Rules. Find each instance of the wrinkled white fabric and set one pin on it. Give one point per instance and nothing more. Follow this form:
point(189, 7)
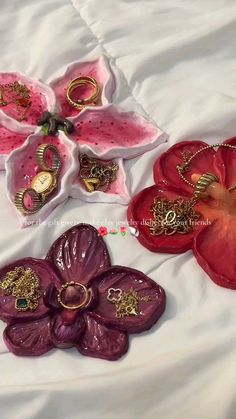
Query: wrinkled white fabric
point(174, 61)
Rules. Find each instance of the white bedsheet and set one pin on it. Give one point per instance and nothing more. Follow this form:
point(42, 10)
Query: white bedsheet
point(175, 61)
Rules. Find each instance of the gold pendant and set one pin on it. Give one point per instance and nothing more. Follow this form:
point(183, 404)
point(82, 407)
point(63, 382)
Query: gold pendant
point(24, 285)
point(126, 303)
point(97, 175)
point(91, 184)
point(170, 217)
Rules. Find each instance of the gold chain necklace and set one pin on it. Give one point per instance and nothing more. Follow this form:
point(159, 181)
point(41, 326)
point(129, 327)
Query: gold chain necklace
point(18, 94)
point(97, 175)
point(184, 167)
point(24, 285)
point(179, 216)
point(171, 217)
point(126, 303)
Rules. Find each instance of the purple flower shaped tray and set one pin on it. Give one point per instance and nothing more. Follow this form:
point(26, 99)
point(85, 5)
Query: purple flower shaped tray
point(83, 301)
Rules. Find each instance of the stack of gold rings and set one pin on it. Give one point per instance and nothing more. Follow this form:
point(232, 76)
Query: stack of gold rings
point(81, 81)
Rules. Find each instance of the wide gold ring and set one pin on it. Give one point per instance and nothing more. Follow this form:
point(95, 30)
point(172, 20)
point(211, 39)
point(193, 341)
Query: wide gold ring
point(41, 160)
point(69, 284)
point(79, 81)
point(203, 182)
point(20, 204)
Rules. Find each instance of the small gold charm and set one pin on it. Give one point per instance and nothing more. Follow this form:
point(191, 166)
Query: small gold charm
point(24, 285)
point(126, 303)
point(91, 184)
point(97, 175)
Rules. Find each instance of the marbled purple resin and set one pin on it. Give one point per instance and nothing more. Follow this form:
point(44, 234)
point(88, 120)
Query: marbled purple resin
point(79, 255)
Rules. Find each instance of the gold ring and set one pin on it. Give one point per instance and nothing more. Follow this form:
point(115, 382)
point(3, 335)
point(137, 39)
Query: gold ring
point(20, 204)
point(68, 284)
point(203, 182)
point(40, 156)
point(79, 81)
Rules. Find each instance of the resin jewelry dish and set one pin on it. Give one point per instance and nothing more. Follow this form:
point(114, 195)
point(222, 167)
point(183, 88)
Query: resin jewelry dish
point(95, 313)
point(192, 206)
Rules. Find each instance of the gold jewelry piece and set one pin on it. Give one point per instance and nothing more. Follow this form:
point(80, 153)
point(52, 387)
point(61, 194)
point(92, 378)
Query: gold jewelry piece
point(18, 94)
point(203, 182)
point(43, 184)
point(23, 284)
point(97, 175)
point(179, 216)
point(126, 303)
point(21, 196)
point(73, 284)
point(81, 81)
point(172, 217)
point(41, 157)
point(188, 157)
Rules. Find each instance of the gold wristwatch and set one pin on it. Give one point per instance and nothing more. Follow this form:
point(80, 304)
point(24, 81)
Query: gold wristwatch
point(30, 200)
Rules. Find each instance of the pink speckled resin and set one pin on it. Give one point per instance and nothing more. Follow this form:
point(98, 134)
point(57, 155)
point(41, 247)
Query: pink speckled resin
point(109, 132)
point(98, 69)
point(102, 131)
point(79, 254)
point(10, 140)
point(21, 167)
point(42, 98)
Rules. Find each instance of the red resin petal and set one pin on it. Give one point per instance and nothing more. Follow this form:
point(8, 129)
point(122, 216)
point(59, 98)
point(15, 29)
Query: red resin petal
point(127, 279)
point(102, 342)
point(111, 133)
point(66, 335)
point(164, 170)
point(41, 99)
point(139, 215)
point(79, 254)
point(98, 69)
point(29, 338)
point(215, 249)
point(46, 274)
point(227, 157)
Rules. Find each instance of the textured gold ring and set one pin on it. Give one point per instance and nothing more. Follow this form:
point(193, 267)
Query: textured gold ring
point(79, 81)
point(203, 182)
point(20, 201)
point(41, 159)
point(71, 284)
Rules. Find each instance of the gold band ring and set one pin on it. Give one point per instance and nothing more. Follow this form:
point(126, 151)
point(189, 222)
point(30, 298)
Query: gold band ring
point(41, 159)
point(20, 198)
point(203, 182)
point(73, 284)
point(80, 81)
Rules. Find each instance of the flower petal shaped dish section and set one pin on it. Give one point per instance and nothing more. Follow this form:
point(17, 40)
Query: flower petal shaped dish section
point(95, 127)
point(109, 132)
point(23, 99)
point(82, 301)
point(10, 139)
point(117, 191)
point(216, 230)
point(22, 167)
point(98, 69)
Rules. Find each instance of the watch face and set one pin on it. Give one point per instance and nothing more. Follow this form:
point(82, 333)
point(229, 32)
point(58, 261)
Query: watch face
point(42, 182)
